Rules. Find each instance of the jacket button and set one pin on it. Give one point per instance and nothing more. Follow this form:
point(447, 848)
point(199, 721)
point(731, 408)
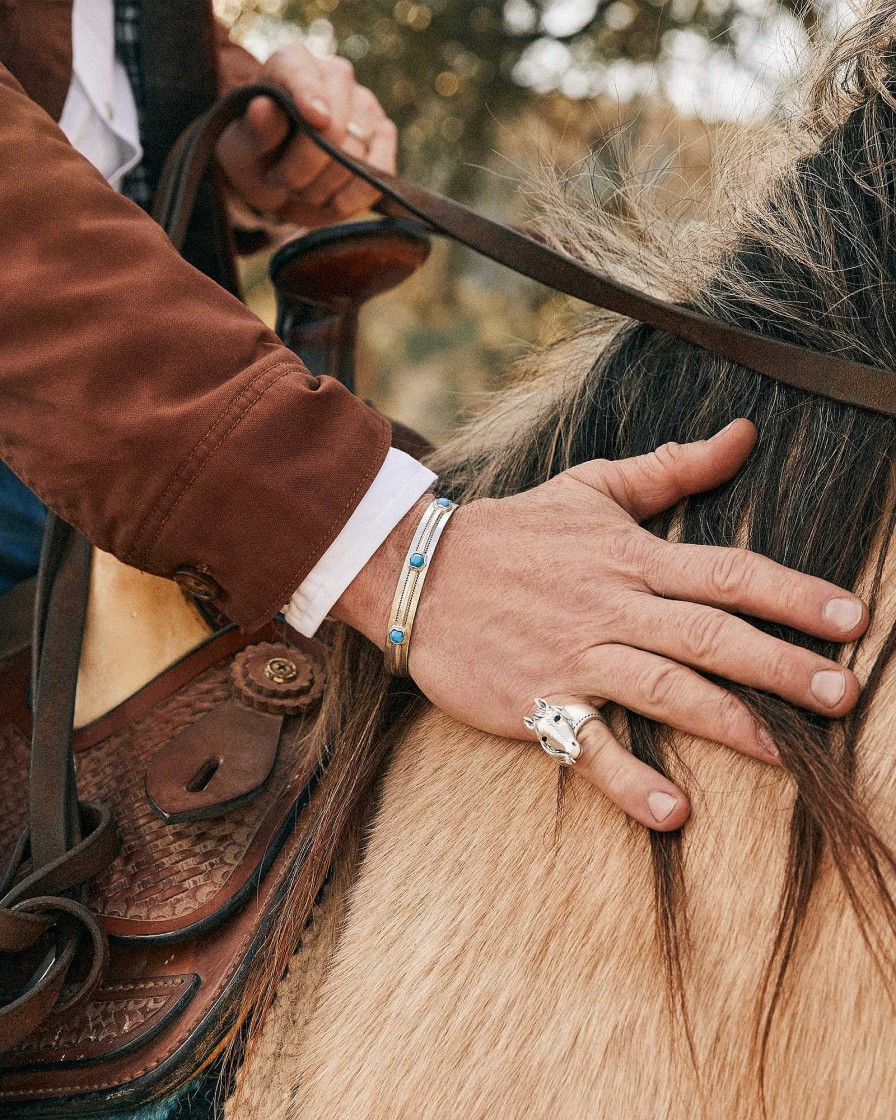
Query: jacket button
point(197, 584)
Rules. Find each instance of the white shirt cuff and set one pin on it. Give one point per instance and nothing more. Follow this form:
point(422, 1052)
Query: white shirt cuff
point(400, 482)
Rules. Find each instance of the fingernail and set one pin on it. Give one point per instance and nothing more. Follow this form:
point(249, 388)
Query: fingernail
point(768, 742)
point(845, 614)
point(722, 431)
point(828, 686)
point(661, 805)
point(321, 106)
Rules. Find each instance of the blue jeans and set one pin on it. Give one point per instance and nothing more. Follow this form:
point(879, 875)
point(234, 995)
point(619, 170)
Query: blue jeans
point(22, 517)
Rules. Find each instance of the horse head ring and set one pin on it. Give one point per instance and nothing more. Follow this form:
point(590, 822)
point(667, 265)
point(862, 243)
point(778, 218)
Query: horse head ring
point(557, 727)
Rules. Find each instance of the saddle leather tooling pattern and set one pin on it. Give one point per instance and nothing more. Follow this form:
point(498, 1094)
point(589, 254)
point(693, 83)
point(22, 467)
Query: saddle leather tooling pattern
point(179, 893)
point(169, 883)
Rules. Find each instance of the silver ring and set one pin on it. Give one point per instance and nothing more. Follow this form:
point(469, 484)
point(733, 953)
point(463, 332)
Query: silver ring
point(557, 727)
point(359, 133)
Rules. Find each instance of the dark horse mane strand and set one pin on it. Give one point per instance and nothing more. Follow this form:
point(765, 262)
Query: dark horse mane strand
point(814, 262)
point(815, 265)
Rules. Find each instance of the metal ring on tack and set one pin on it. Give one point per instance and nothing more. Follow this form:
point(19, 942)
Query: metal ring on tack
point(557, 727)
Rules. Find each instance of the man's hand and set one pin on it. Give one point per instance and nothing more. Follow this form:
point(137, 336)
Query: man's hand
point(559, 593)
point(304, 185)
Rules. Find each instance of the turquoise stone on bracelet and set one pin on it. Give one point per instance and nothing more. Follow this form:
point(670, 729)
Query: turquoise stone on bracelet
point(417, 560)
point(445, 503)
point(396, 635)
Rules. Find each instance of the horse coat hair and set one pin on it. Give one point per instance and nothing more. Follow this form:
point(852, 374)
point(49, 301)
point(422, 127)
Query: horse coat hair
point(493, 965)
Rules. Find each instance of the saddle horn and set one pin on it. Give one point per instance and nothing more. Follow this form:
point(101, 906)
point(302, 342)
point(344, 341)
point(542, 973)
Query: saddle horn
point(324, 278)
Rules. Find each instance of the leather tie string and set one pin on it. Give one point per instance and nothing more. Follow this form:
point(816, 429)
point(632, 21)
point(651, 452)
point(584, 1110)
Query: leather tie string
point(43, 921)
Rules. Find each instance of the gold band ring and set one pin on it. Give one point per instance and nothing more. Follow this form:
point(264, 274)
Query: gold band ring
point(359, 133)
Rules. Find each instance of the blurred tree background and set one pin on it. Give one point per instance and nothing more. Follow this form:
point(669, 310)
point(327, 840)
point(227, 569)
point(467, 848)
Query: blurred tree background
point(484, 91)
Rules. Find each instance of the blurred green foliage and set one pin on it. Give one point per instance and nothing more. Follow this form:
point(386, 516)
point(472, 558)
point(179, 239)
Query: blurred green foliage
point(450, 71)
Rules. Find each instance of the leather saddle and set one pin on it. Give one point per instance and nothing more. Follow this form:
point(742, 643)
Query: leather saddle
point(209, 776)
point(147, 853)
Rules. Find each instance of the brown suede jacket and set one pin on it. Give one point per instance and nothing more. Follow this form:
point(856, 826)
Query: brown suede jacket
point(138, 399)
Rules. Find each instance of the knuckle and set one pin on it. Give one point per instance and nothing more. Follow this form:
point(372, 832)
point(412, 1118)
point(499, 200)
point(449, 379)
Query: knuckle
point(343, 67)
point(603, 760)
point(272, 66)
point(591, 467)
point(729, 574)
point(790, 591)
point(734, 719)
point(614, 777)
point(299, 181)
point(366, 99)
point(660, 685)
point(596, 474)
point(666, 457)
point(288, 51)
point(781, 666)
point(346, 203)
point(704, 634)
point(596, 747)
point(635, 550)
point(624, 486)
point(312, 165)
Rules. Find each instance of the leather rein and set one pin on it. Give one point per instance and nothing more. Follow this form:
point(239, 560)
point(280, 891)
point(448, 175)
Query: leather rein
point(826, 375)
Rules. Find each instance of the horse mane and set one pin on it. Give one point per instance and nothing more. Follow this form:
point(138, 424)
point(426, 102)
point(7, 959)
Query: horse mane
point(804, 249)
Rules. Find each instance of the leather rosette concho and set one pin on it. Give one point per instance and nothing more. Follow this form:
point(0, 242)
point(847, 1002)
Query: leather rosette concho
point(229, 753)
point(274, 678)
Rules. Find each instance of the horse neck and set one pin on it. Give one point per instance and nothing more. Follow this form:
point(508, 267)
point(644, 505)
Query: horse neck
point(137, 625)
point(503, 963)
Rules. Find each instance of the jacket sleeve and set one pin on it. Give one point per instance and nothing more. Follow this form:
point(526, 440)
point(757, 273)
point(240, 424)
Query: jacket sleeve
point(148, 407)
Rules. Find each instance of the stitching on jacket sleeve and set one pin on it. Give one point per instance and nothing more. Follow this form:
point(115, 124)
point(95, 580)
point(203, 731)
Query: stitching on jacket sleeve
point(199, 455)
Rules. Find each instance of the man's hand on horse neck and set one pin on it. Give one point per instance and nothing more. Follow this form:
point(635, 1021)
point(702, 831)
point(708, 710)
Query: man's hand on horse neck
point(559, 593)
point(303, 185)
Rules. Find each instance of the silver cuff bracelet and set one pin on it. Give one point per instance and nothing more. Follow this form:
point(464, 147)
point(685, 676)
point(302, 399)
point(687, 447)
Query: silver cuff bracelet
point(410, 584)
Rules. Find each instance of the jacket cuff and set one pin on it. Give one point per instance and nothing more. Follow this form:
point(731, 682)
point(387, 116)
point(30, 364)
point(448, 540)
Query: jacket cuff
point(400, 482)
point(265, 493)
